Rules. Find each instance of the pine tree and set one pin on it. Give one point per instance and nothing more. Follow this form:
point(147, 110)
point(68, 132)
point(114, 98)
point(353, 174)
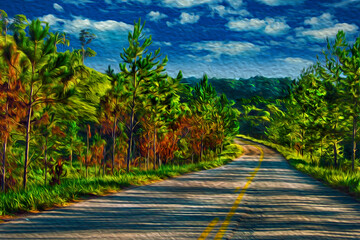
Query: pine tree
point(138, 68)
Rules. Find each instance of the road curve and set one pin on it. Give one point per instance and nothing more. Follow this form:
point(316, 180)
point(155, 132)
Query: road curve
point(257, 196)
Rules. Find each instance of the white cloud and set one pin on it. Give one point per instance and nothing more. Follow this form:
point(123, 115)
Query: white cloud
point(208, 58)
point(51, 19)
point(187, 3)
point(162, 44)
point(275, 27)
point(324, 20)
point(224, 11)
point(324, 26)
point(343, 3)
point(297, 60)
point(269, 26)
point(330, 32)
point(170, 24)
point(75, 25)
point(235, 3)
point(188, 18)
point(77, 2)
point(281, 2)
point(246, 24)
point(218, 48)
point(58, 8)
point(110, 25)
point(185, 18)
point(156, 16)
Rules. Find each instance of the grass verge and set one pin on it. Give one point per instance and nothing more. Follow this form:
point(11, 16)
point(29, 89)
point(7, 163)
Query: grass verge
point(346, 181)
point(41, 198)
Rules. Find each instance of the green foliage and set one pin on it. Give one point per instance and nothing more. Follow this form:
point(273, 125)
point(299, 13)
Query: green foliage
point(320, 116)
point(85, 38)
point(44, 197)
point(258, 86)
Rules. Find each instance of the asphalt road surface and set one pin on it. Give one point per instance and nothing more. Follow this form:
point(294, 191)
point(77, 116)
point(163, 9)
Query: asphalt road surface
point(257, 196)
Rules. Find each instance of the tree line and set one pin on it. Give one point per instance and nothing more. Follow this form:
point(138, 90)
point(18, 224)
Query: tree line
point(320, 115)
point(60, 118)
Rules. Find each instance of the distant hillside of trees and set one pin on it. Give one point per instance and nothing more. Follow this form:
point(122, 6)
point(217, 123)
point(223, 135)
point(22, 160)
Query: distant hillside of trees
point(241, 88)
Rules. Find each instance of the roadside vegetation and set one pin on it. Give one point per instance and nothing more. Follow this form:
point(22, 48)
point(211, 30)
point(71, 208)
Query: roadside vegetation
point(67, 130)
point(346, 181)
point(316, 125)
point(74, 188)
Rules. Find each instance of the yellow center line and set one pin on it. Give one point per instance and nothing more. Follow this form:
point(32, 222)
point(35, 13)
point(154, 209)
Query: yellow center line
point(237, 189)
point(209, 228)
point(231, 213)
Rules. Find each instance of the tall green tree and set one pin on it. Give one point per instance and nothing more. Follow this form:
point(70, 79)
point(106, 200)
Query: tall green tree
point(19, 23)
point(342, 60)
point(86, 37)
point(138, 68)
point(72, 139)
point(47, 78)
point(202, 103)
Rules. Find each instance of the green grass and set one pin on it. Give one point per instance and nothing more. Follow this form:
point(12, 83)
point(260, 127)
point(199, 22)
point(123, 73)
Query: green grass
point(40, 197)
point(346, 181)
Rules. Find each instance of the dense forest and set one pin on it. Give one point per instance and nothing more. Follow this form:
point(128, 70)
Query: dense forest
point(250, 96)
point(258, 86)
point(61, 119)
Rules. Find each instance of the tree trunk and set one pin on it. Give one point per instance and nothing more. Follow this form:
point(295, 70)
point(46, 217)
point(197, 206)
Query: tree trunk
point(321, 147)
point(3, 165)
point(147, 159)
point(354, 143)
point(5, 36)
point(302, 141)
point(128, 157)
point(335, 155)
point(80, 161)
point(192, 158)
point(131, 120)
point(3, 182)
point(154, 147)
point(201, 147)
point(83, 54)
point(96, 167)
point(45, 160)
point(159, 161)
point(113, 147)
point(87, 152)
point(27, 138)
point(71, 158)
point(104, 160)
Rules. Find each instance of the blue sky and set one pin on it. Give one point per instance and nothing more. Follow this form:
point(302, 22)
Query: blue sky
point(222, 38)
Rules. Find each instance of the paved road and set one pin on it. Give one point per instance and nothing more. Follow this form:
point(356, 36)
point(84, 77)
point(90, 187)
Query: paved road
point(241, 200)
